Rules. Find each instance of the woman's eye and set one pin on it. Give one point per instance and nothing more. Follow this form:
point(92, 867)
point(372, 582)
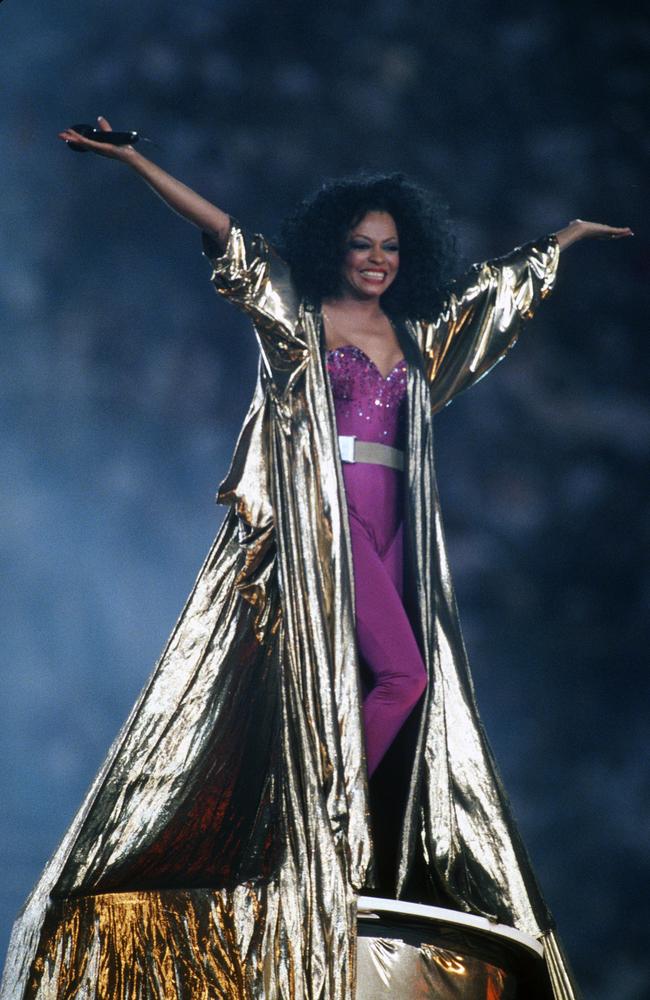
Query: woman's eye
point(392, 247)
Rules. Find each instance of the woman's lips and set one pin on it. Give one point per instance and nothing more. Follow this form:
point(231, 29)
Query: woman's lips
point(375, 276)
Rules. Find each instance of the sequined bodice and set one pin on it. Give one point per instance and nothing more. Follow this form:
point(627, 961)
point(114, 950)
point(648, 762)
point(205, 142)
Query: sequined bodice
point(367, 404)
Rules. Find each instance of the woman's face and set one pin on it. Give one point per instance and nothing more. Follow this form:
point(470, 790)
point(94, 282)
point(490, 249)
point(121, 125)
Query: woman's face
point(371, 259)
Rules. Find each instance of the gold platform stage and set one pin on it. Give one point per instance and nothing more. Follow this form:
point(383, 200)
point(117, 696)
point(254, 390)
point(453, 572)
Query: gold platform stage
point(408, 951)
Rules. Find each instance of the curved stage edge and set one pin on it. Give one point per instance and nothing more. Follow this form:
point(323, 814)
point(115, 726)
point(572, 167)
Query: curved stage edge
point(408, 950)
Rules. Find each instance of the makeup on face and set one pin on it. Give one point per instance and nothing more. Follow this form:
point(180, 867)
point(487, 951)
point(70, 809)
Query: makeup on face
point(371, 258)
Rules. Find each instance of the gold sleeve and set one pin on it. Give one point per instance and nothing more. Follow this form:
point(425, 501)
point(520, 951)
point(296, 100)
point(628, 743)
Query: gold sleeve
point(251, 275)
point(483, 314)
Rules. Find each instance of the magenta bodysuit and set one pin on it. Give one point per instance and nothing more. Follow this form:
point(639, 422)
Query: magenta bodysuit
point(374, 409)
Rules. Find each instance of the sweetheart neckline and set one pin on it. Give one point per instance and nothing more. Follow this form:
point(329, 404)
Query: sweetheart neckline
point(355, 347)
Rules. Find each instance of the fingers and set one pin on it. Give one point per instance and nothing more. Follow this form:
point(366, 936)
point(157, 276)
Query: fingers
point(616, 232)
point(603, 231)
point(69, 135)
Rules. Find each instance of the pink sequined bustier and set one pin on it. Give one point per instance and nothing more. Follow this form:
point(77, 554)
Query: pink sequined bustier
point(366, 404)
point(372, 408)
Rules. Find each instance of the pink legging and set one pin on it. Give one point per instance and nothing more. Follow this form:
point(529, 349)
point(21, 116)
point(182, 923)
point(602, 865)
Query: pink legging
point(385, 639)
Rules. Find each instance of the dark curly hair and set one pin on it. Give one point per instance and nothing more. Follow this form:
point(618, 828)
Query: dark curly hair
point(312, 240)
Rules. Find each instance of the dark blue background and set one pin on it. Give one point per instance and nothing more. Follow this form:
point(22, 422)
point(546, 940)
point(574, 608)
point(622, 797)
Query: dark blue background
point(125, 382)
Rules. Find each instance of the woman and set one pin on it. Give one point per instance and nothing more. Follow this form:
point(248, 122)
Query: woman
point(222, 847)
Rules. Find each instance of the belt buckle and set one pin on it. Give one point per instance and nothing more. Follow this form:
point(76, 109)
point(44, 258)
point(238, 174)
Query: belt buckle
point(346, 447)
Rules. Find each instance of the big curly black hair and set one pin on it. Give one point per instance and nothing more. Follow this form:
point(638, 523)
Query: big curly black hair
point(312, 240)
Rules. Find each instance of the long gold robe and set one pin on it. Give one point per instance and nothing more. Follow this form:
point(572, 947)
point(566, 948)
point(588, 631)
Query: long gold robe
point(256, 699)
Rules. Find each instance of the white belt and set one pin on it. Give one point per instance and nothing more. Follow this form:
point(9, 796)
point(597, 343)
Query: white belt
point(353, 450)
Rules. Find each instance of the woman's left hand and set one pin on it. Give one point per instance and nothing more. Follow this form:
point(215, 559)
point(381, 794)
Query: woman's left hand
point(579, 229)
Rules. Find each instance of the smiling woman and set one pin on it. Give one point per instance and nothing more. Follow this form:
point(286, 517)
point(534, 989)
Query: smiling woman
point(315, 692)
point(371, 257)
point(315, 236)
point(370, 266)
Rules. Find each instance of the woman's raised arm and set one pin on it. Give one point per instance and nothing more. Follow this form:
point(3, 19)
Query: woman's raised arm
point(484, 312)
point(180, 198)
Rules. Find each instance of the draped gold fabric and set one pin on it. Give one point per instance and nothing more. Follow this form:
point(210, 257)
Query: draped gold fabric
point(241, 768)
point(181, 944)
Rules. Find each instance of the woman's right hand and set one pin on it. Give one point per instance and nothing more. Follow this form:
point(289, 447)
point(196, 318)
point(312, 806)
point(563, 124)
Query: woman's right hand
point(178, 196)
point(102, 148)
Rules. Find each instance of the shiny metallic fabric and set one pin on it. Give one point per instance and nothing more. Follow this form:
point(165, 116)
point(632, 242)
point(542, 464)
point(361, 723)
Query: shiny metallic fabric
point(240, 774)
point(185, 944)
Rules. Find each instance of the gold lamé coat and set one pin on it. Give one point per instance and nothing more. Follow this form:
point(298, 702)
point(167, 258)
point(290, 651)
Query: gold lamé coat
point(256, 697)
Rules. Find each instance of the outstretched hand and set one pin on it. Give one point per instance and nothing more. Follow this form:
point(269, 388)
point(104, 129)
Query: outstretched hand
point(579, 229)
point(102, 148)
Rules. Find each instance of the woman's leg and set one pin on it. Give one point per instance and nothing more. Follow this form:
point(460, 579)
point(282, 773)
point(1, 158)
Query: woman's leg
point(385, 640)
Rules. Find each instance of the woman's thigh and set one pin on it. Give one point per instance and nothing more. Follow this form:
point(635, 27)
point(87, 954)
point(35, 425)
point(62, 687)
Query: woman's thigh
point(384, 634)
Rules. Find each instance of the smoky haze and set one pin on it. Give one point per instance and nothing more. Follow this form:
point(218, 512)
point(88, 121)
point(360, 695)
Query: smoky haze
point(126, 380)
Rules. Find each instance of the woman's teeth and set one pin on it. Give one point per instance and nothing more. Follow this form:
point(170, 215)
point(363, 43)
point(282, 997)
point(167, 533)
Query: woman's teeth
point(374, 275)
